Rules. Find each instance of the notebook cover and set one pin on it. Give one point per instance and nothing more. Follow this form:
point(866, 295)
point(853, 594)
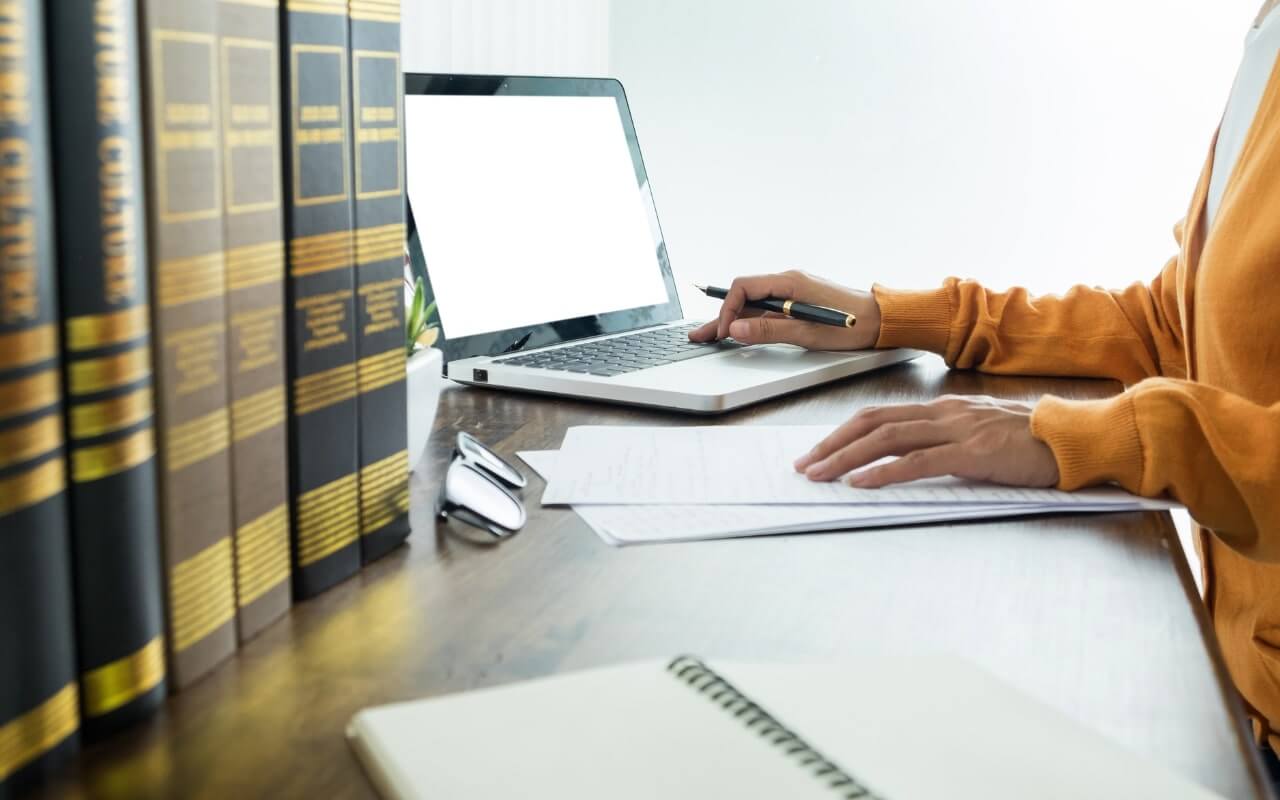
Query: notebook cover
point(189, 313)
point(320, 295)
point(376, 102)
point(249, 67)
point(39, 718)
point(103, 284)
point(863, 729)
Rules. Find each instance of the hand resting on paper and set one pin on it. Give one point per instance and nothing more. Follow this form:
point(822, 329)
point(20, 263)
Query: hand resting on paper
point(979, 438)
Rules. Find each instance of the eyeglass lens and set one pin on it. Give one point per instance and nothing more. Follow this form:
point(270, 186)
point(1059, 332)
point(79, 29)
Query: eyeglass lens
point(475, 450)
point(469, 488)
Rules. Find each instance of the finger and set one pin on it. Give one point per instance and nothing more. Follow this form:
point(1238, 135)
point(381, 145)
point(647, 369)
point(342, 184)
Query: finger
point(859, 425)
point(770, 329)
point(946, 459)
point(705, 332)
point(892, 439)
point(708, 332)
point(756, 287)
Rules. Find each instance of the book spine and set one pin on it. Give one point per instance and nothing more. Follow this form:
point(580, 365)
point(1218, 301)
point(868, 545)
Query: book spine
point(39, 715)
point(249, 64)
point(376, 113)
point(103, 286)
point(184, 182)
point(320, 294)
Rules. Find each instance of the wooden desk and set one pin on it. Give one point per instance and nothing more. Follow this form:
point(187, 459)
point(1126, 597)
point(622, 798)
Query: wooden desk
point(1096, 616)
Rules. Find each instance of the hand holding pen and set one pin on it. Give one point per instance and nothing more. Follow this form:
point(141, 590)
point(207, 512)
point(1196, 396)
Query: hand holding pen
point(793, 308)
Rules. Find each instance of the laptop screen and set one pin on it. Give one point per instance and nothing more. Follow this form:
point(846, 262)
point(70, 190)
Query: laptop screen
point(531, 209)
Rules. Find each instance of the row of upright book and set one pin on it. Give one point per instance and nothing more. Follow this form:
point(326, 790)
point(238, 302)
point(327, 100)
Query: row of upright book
point(202, 359)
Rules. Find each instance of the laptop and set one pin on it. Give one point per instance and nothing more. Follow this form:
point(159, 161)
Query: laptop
point(532, 220)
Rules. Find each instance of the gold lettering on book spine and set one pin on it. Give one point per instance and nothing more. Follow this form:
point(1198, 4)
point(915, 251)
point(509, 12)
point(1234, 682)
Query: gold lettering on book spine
point(378, 125)
point(249, 121)
point(32, 486)
point(384, 491)
point(321, 253)
point(376, 10)
point(262, 555)
point(320, 124)
point(88, 420)
point(104, 460)
point(27, 347)
point(26, 738)
point(183, 124)
point(257, 413)
point(194, 441)
point(117, 174)
point(381, 243)
point(30, 393)
point(328, 519)
point(30, 441)
point(92, 331)
point(122, 681)
point(383, 369)
point(202, 595)
point(324, 389)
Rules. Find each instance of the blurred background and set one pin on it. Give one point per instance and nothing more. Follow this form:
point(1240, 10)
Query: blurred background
point(1039, 144)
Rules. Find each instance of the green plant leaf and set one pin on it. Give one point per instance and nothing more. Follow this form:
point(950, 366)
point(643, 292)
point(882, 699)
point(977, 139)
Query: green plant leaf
point(415, 321)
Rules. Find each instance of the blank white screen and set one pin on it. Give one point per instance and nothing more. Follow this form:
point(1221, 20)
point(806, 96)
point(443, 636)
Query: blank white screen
point(528, 210)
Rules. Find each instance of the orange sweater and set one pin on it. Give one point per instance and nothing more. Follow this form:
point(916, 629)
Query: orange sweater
point(1199, 349)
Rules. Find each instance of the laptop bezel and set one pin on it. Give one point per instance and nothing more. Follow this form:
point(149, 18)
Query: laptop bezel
point(550, 333)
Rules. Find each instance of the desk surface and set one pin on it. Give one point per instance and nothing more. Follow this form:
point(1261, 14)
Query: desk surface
point(1096, 616)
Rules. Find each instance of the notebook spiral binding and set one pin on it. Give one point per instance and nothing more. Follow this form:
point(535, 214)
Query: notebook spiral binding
point(709, 684)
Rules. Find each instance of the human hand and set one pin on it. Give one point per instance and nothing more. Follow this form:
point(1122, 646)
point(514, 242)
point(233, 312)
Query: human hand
point(751, 326)
point(980, 438)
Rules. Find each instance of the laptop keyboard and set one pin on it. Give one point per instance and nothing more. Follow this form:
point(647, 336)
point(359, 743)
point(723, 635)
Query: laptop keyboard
point(621, 354)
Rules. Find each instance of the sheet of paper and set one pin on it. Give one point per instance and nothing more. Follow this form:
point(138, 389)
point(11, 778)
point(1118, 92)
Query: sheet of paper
point(748, 465)
point(620, 525)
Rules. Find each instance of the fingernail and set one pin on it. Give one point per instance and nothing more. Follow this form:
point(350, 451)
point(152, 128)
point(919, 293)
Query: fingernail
point(802, 463)
point(739, 329)
point(858, 479)
point(816, 471)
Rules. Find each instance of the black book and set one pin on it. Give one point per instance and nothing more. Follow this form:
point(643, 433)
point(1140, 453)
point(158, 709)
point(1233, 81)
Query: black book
point(93, 78)
point(320, 294)
point(39, 715)
point(377, 103)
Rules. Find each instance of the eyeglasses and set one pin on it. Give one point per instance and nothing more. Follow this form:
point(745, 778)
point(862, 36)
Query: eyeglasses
point(478, 489)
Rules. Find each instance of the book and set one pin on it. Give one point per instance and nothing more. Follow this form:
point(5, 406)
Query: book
point(106, 345)
point(253, 225)
point(883, 727)
point(39, 710)
point(189, 313)
point(320, 294)
point(377, 120)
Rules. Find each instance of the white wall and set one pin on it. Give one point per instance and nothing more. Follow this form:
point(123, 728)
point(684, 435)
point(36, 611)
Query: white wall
point(521, 37)
point(882, 140)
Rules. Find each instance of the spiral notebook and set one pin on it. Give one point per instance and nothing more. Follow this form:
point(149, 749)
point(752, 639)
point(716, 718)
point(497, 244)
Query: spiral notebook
point(893, 728)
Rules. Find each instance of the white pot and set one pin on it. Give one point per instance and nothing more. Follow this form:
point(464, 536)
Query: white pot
point(425, 379)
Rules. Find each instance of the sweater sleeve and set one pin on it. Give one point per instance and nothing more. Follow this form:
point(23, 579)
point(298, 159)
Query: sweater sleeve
point(1126, 335)
point(1215, 452)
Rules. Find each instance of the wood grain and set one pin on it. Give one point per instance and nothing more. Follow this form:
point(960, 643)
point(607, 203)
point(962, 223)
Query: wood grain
point(1094, 615)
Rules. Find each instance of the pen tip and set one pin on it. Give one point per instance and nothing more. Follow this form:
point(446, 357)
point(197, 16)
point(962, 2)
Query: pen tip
point(699, 287)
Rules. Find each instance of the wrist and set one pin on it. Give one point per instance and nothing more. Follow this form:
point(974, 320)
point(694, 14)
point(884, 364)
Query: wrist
point(916, 319)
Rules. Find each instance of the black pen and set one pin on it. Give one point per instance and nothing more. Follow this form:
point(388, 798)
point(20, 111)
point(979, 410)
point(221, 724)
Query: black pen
point(802, 311)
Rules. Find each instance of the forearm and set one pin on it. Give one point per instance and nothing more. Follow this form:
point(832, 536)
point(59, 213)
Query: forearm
point(1216, 452)
point(1124, 335)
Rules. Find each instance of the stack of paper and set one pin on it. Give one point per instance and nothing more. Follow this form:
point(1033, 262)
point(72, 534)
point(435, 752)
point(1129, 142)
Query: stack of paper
point(636, 485)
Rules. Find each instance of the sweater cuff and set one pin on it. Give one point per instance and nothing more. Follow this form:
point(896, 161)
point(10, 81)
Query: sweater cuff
point(1093, 441)
point(920, 320)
